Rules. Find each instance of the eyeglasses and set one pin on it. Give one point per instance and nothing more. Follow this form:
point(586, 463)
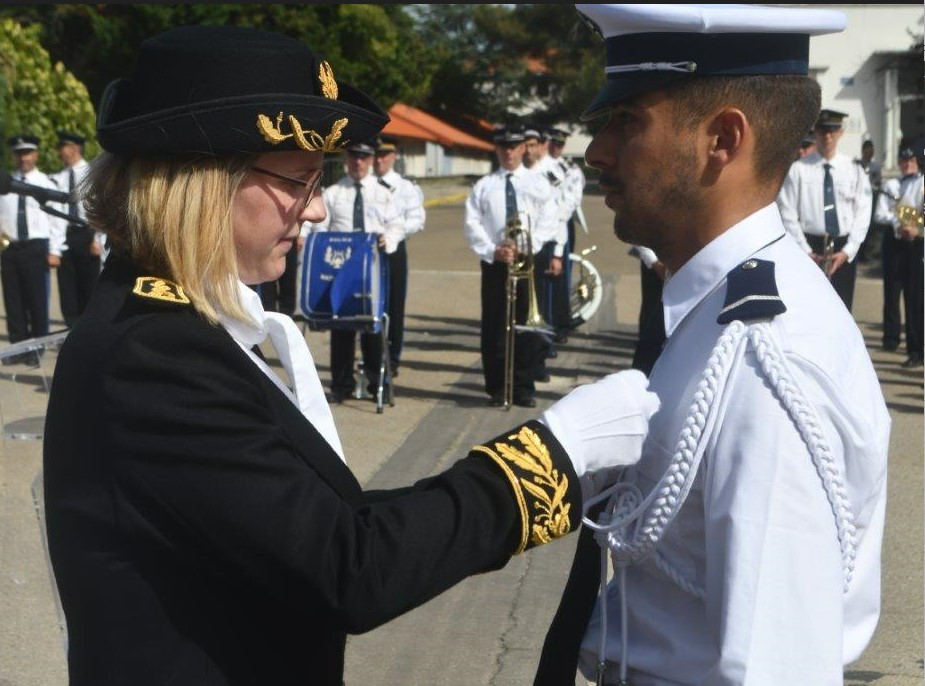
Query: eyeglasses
point(310, 186)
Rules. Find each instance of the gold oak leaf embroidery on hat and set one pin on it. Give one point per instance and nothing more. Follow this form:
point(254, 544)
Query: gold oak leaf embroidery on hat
point(538, 486)
point(160, 289)
point(310, 140)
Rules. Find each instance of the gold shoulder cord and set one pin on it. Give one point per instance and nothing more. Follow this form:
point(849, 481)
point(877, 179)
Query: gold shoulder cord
point(156, 288)
point(539, 488)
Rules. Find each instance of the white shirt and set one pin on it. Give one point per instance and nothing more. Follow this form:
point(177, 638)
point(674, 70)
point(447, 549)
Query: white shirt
point(381, 212)
point(757, 533)
point(555, 175)
point(63, 181)
point(574, 183)
point(41, 224)
point(801, 200)
point(408, 198)
point(485, 214)
point(895, 192)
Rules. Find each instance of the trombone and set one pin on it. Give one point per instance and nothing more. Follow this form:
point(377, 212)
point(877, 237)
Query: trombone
point(522, 268)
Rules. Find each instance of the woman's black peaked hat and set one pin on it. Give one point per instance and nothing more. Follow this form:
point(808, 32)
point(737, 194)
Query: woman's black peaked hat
point(218, 90)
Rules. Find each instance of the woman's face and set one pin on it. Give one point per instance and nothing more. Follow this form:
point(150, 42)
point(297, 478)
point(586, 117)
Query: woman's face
point(269, 211)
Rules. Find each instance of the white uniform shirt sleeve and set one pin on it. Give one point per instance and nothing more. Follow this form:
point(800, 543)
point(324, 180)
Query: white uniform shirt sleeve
point(853, 199)
point(410, 200)
point(788, 202)
point(481, 216)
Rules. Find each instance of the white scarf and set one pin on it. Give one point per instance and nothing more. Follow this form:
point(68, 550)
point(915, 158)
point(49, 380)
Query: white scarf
point(306, 393)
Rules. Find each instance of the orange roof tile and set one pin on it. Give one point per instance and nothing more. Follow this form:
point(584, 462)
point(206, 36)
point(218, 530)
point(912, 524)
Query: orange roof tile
point(410, 122)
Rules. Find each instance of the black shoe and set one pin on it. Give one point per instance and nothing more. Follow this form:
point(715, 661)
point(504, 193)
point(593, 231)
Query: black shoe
point(524, 401)
point(394, 369)
point(497, 400)
point(890, 346)
point(543, 376)
point(337, 397)
point(914, 360)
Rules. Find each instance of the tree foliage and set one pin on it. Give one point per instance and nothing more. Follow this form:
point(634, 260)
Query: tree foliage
point(462, 63)
point(39, 97)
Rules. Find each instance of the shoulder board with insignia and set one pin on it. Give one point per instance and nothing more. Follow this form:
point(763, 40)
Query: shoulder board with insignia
point(553, 179)
point(156, 288)
point(564, 166)
point(751, 293)
point(383, 182)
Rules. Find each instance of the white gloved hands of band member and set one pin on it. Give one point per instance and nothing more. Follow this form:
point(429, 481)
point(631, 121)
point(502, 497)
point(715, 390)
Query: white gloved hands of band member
point(602, 425)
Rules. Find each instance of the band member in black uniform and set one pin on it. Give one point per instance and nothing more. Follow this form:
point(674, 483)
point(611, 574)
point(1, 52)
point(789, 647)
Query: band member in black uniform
point(80, 263)
point(36, 242)
point(203, 524)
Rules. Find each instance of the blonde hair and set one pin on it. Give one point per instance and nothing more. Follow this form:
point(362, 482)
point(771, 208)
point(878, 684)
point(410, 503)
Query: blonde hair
point(173, 218)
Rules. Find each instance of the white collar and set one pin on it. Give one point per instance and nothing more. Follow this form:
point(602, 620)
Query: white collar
point(700, 275)
point(307, 393)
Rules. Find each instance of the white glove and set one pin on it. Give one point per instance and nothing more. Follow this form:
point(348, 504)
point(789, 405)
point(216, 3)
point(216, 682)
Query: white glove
point(602, 425)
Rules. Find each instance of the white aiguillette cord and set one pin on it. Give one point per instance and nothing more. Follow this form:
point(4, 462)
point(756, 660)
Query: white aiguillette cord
point(631, 526)
point(307, 393)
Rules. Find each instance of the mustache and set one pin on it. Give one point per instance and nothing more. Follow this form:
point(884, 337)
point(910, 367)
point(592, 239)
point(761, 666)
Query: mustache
point(606, 180)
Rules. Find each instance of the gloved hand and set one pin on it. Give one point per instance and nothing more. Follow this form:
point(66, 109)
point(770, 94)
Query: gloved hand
point(602, 425)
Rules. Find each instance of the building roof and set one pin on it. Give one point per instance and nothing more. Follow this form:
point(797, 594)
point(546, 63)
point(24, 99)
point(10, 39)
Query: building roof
point(410, 122)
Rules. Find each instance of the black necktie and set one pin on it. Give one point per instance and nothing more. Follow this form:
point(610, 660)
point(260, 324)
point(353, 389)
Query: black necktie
point(22, 227)
point(510, 198)
point(828, 202)
point(359, 223)
point(72, 206)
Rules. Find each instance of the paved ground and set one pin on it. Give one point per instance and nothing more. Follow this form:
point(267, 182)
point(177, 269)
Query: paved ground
point(488, 630)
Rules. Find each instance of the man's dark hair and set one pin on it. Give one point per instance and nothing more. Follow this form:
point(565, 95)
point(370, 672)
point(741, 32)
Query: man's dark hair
point(781, 109)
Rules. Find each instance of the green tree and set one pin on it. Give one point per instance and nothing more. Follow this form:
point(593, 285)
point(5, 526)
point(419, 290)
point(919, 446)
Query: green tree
point(39, 97)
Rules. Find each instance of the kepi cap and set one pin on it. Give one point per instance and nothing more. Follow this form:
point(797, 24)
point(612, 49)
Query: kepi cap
point(23, 143)
point(362, 148)
point(386, 144)
point(557, 135)
point(508, 134)
point(830, 120)
point(906, 153)
point(68, 137)
point(218, 90)
point(650, 46)
point(808, 140)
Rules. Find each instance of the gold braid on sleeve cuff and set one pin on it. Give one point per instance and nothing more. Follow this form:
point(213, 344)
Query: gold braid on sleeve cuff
point(542, 479)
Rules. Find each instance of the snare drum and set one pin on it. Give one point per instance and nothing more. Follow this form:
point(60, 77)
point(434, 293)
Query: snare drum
point(344, 282)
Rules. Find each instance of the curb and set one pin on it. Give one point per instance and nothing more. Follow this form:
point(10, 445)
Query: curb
point(446, 200)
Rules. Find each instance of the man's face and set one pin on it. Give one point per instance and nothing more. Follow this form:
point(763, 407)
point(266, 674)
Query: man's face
point(827, 140)
point(69, 153)
point(26, 160)
point(383, 162)
point(908, 165)
point(555, 149)
point(510, 155)
point(358, 164)
point(648, 171)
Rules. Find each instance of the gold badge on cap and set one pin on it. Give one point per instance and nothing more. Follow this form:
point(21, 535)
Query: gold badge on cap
point(160, 289)
point(310, 140)
point(328, 84)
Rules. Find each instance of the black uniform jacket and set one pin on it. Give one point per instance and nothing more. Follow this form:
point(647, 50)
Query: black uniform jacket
point(202, 532)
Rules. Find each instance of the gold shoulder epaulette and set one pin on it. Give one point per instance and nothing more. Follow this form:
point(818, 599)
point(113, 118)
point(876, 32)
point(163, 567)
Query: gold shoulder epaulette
point(541, 492)
point(156, 288)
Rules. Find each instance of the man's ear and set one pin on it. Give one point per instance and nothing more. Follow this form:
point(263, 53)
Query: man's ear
point(727, 131)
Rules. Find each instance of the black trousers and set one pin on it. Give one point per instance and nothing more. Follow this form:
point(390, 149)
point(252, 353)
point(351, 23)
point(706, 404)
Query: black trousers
point(398, 293)
point(843, 280)
point(902, 279)
point(343, 352)
point(25, 278)
point(529, 350)
point(77, 274)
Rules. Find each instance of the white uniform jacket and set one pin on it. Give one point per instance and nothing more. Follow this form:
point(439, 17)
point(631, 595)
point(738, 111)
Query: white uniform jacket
point(380, 211)
point(485, 215)
point(41, 224)
point(897, 192)
point(800, 200)
point(746, 584)
point(409, 199)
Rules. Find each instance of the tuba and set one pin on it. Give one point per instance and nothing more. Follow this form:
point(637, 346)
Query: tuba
point(522, 268)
